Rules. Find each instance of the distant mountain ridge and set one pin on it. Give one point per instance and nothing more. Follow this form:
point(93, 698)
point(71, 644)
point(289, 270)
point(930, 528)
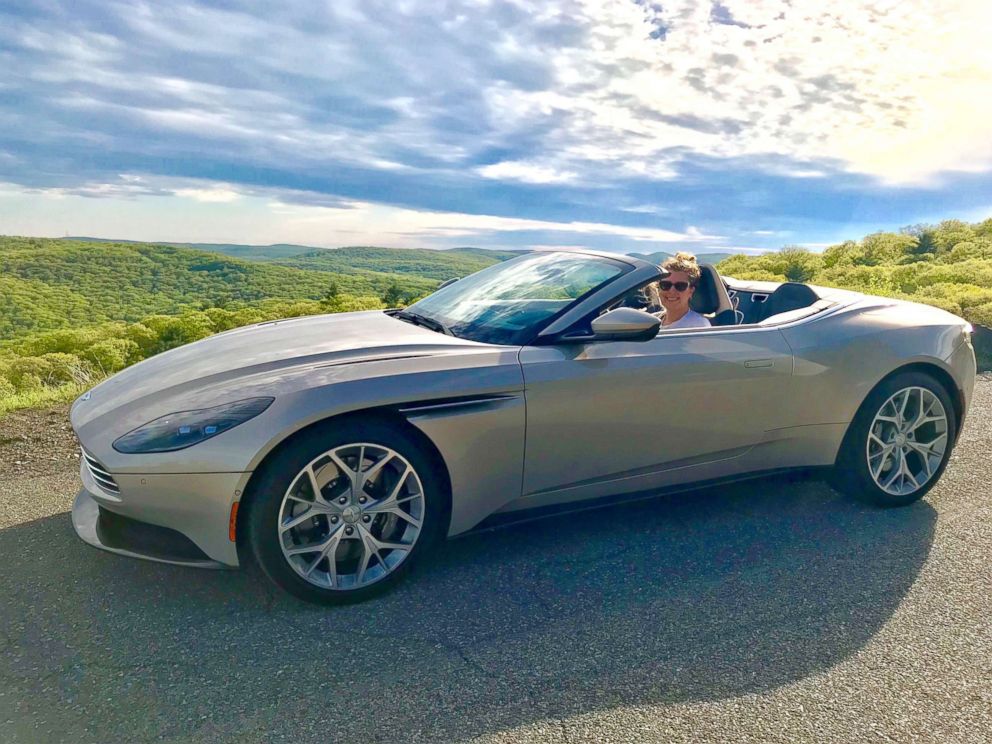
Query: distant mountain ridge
point(286, 253)
point(281, 251)
point(659, 256)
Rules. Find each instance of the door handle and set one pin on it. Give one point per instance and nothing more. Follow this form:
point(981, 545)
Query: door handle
point(759, 363)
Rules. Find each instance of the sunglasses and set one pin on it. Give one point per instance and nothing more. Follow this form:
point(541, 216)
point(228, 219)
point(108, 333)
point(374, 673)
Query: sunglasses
point(677, 286)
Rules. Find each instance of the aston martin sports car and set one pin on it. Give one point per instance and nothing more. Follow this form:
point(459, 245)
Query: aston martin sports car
point(334, 451)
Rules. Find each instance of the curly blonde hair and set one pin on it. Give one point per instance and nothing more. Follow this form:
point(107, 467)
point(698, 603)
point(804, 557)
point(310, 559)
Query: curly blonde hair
point(684, 262)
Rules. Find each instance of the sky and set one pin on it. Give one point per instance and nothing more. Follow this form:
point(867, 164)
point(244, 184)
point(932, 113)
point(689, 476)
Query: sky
point(631, 125)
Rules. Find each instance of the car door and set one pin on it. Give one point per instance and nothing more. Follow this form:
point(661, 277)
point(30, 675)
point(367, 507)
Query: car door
point(617, 416)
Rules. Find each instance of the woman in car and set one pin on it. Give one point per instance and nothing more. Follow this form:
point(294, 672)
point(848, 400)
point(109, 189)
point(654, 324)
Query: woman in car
point(676, 289)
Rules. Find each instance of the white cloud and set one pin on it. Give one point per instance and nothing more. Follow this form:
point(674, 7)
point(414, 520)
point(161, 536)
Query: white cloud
point(898, 90)
point(210, 195)
point(211, 212)
point(594, 103)
point(396, 224)
point(525, 172)
point(598, 90)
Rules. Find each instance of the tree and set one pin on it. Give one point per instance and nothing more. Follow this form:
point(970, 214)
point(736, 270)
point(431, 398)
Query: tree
point(393, 295)
point(951, 232)
point(840, 254)
point(798, 264)
point(926, 243)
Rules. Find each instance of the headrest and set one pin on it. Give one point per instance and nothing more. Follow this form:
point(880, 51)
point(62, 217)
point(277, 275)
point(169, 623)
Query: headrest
point(706, 298)
point(788, 296)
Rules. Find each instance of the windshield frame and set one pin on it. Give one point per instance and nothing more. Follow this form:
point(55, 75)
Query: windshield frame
point(529, 335)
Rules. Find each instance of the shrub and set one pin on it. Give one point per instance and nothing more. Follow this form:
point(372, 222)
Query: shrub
point(173, 331)
point(944, 304)
point(64, 368)
point(111, 355)
point(28, 383)
point(66, 340)
point(975, 272)
point(965, 295)
point(871, 279)
point(18, 370)
point(144, 338)
point(980, 314)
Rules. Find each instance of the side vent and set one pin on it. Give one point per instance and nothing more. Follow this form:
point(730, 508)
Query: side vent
point(104, 479)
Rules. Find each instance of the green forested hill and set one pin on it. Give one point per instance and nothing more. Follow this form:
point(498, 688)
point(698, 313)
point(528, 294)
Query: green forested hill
point(238, 250)
point(486, 252)
point(371, 257)
point(49, 284)
point(73, 312)
point(30, 304)
point(439, 265)
point(251, 252)
point(948, 265)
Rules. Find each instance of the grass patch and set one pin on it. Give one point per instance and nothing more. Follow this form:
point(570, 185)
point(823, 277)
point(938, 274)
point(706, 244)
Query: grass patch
point(46, 396)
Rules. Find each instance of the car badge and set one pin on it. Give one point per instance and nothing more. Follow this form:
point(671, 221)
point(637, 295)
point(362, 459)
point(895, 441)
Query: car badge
point(86, 395)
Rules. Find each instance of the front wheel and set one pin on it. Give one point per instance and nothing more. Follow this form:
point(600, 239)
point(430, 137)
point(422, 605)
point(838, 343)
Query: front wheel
point(344, 512)
point(899, 442)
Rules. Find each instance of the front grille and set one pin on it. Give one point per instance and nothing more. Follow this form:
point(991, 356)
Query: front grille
point(104, 479)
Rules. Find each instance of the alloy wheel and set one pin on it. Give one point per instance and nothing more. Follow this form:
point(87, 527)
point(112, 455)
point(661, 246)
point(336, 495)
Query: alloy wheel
point(351, 516)
point(907, 441)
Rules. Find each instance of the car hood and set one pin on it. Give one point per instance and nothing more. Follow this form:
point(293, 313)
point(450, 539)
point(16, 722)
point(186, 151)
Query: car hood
point(263, 351)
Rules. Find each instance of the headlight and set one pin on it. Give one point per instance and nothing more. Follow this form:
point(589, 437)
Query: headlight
point(186, 428)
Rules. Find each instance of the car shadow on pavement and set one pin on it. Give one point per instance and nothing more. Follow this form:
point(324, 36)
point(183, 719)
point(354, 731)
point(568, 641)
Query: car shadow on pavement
point(690, 597)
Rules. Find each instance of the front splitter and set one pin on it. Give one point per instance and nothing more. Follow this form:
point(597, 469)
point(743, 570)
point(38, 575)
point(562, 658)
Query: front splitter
point(85, 518)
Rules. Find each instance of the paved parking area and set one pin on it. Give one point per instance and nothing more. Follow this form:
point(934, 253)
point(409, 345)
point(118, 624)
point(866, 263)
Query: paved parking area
point(771, 611)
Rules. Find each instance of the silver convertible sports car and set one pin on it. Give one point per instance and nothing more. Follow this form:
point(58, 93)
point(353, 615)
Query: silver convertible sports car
point(335, 450)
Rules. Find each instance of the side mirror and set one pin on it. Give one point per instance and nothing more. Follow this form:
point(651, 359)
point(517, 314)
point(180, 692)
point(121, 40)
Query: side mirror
point(625, 324)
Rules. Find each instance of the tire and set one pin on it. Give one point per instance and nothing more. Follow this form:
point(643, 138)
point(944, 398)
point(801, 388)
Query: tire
point(886, 462)
point(375, 525)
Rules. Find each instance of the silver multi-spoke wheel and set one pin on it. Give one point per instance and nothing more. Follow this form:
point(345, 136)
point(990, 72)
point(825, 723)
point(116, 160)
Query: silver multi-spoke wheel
point(907, 441)
point(351, 516)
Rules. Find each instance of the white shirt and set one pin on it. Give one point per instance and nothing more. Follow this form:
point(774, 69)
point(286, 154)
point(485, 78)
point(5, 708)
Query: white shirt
point(691, 319)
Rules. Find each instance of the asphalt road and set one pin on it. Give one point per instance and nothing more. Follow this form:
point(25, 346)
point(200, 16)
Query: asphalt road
point(773, 611)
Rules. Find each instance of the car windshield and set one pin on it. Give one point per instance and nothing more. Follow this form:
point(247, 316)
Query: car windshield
point(508, 303)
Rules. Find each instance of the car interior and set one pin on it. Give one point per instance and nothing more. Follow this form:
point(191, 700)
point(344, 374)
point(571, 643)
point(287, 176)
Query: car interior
point(731, 303)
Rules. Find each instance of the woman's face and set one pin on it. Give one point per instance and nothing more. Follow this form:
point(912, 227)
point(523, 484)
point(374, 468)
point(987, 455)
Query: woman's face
point(675, 300)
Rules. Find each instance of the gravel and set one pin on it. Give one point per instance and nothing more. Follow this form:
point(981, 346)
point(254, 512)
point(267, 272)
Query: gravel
point(775, 611)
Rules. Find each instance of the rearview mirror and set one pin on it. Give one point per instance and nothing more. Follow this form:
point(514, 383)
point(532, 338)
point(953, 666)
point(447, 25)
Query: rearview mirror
point(625, 324)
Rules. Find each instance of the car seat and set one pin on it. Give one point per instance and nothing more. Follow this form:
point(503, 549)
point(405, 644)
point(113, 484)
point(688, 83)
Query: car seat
point(711, 298)
point(788, 296)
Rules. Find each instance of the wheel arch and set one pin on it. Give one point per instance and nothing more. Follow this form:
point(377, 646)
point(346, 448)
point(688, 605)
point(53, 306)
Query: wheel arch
point(384, 415)
point(943, 377)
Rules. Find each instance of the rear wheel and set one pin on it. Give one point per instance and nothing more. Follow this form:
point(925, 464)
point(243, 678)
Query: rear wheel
point(899, 442)
point(345, 511)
